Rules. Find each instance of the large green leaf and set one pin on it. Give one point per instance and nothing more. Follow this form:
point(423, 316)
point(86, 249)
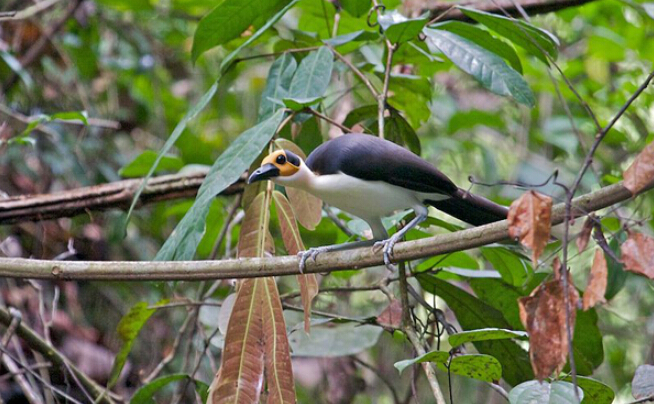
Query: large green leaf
point(397, 28)
point(145, 393)
point(312, 76)
point(483, 38)
point(488, 68)
point(501, 296)
point(277, 85)
point(128, 329)
point(474, 314)
point(480, 367)
point(182, 243)
point(339, 340)
point(587, 343)
point(356, 8)
point(595, 392)
point(484, 334)
point(534, 40)
point(535, 392)
point(228, 20)
point(514, 270)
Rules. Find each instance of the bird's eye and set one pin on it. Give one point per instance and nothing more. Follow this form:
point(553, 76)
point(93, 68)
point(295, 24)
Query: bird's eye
point(281, 159)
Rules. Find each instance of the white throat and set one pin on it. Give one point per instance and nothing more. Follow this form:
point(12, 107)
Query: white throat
point(303, 179)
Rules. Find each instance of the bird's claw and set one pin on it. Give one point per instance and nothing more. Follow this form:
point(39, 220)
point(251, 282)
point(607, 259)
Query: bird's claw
point(387, 247)
point(311, 253)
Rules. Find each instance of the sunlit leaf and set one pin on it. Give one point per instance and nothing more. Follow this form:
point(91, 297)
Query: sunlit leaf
point(484, 334)
point(313, 75)
point(397, 28)
point(488, 68)
point(277, 84)
point(480, 367)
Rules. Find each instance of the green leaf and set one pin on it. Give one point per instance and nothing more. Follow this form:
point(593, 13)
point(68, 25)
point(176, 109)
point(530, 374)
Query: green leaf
point(360, 114)
point(480, 367)
point(298, 104)
point(62, 116)
point(398, 130)
point(616, 276)
point(183, 242)
point(277, 84)
point(514, 270)
point(128, 329)
point(145, 393)
point(473, 314)
point(535, 392)
point(15, 65)
point(488, 68)
point(128, 5)
point(519, 32)
point(331, 341)
point(483, 39)
point(463, 120)
point(484, 334)
point(228, 20)
point(356, 8)
point(313, 75)
point(177, 132)
point(397, 28)
point(501, 296)
point(142, 164)
point(595, 392)
point(355, 36)
point(587, 343)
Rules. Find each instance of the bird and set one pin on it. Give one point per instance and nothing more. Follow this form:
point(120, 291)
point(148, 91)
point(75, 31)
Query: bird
point(371, 178)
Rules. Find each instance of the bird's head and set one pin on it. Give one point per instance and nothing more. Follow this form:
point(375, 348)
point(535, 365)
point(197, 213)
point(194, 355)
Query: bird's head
point(281, 165)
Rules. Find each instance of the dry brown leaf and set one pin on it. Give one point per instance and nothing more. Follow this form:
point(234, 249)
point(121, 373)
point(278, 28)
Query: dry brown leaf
point(641, 172)
point(556, 267)
point(584, 234)
point(596, 287)
point(240, 378)
point(255, 239)
point(293, 242)
point(279, 372)
point(392, 315)
point(543, 315)
point(252, 190)
point(530, 221)
point(638, 254)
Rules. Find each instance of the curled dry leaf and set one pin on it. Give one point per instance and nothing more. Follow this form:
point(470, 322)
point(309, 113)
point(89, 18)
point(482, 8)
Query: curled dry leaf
point(293, 243)
point(584, 234)
point(530, 221)
point(307, 208)
point(543, 315)
point(392, 315)
point(596, 287)
point(638, 254)
point(641, 172)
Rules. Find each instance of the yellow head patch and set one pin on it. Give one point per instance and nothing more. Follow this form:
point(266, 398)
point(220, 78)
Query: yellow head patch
point(287, 162)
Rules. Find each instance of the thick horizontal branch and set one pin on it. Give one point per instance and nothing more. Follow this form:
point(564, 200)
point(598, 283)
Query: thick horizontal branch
point(503, 7)
point(114, 195)
point(288, 265)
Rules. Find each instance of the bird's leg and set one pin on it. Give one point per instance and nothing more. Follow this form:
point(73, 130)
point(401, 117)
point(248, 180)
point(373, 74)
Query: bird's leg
point(389, 243)
point(314, 251)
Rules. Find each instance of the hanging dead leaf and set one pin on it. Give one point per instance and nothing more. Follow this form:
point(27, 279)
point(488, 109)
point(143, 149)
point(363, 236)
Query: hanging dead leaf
point(543, 315)
point(392, 315)
point(240, 378)
point(293, 242)
point(279, 372)
point(641, 172)
point(255, 239)
point(596, 287)
point(584, 234)
point(307, 208)
point(556, 267)
point(638, 254)
point(530, 221)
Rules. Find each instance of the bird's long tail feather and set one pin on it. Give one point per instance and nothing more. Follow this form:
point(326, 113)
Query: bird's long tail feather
point(472, 209)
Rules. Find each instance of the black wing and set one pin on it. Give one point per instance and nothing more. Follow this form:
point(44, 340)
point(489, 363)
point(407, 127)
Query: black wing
point(371, 158)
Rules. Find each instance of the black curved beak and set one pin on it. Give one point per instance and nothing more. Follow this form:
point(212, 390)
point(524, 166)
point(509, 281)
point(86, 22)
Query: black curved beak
point(264, 172)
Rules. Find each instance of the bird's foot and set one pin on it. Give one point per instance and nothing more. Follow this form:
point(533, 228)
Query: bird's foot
point(387, 247)
point(311, 253)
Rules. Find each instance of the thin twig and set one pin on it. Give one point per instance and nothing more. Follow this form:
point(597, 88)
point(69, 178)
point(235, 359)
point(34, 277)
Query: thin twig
point(355, 70)
point(328, 119)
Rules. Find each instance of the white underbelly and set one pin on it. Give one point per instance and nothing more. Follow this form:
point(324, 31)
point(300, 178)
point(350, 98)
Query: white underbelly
point(365, 198)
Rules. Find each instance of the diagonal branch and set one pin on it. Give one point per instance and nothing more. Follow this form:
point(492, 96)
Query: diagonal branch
point(113, 195)
point(289, 265)
point(530, 7)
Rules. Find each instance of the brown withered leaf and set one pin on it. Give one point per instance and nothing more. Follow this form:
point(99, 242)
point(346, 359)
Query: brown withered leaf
point(556, 267)
point(279, 372)
point(240, 378)
point(255, 239)
point(543, 315)
point(293, 242)
point(638, 254)
point(392, 315)
point(307, 208)
point(530, 221)
point(641, 172)
point(584, 234)
point(252, 190)
point(596, 287)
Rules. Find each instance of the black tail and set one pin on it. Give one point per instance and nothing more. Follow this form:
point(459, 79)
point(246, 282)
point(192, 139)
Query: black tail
point(470, 208)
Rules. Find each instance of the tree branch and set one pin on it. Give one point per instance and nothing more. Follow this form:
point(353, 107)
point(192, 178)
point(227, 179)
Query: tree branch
point(114, 195)
point(289, 265)
point(531, 7)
